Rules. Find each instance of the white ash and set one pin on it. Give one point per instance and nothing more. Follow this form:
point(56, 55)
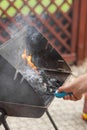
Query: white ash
point(33, 77)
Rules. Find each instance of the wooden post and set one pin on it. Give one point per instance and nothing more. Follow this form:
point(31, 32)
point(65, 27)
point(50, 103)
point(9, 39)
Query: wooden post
point(75, 19)
point(86, 38)
point(82, 30)
point(76, 8)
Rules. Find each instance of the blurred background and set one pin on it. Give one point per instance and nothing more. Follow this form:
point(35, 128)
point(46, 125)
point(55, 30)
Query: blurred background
point(64, 24)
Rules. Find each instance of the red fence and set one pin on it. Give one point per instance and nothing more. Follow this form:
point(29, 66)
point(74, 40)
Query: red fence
point(57, 20)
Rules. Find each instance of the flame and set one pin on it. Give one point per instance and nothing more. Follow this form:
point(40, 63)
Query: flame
point(28, 60)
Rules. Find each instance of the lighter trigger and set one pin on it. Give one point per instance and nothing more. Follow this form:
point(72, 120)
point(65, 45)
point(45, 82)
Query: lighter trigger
point(62, 94)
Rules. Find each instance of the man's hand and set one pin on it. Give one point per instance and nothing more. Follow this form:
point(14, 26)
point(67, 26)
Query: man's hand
point(78, 87)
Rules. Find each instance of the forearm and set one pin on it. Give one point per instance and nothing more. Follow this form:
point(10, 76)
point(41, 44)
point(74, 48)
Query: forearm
point(82, 82)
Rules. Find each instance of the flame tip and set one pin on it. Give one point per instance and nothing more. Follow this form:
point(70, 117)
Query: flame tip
point(28, 58)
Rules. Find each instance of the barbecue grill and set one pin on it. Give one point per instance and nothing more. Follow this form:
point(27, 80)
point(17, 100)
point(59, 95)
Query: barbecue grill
point(26, 91)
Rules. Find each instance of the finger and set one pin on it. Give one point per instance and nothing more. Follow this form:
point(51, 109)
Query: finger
point(77, 97)
point(68, 88)
point(70, 97)
point(73, 98)
point(67, 97)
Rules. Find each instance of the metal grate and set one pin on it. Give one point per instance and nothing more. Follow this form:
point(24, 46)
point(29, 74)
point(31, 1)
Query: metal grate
point(53, 18)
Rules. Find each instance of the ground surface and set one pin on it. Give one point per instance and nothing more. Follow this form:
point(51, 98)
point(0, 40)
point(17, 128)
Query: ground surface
point(66, 114)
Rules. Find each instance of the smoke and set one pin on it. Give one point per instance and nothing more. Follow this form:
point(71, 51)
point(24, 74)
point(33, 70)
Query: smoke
point(33, 41)
point(35, 44)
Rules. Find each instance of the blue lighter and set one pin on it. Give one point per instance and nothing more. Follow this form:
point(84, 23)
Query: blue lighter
point(61, 94)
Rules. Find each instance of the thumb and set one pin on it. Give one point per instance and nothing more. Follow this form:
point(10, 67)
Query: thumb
point(66, 88)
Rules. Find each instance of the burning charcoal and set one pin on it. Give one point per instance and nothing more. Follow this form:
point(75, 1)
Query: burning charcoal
point(53, 80)
point(40, 80)
point(50, 83)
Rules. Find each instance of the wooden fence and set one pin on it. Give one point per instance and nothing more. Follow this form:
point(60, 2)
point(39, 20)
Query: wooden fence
point(62, 22)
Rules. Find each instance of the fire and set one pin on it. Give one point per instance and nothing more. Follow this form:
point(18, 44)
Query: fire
point(28, 60)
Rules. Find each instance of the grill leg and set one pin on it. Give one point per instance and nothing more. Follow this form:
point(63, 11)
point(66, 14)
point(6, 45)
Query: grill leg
point(3, 119)
point(51, 120)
